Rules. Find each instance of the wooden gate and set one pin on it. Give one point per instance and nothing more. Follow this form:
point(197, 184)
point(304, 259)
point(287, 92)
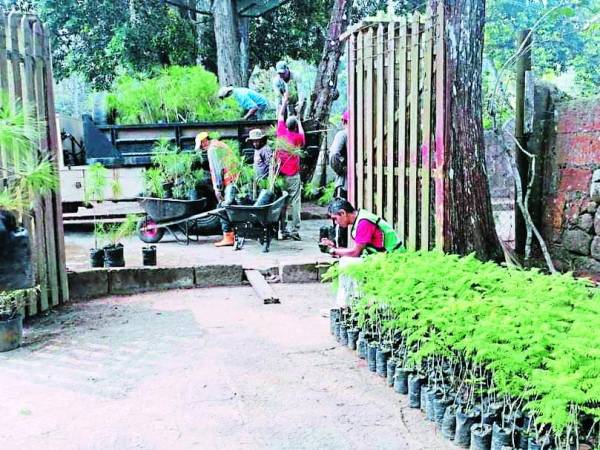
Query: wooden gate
point(395, 138)
point(26, 77)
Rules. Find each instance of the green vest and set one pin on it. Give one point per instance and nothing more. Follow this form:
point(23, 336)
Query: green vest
point(391, 241)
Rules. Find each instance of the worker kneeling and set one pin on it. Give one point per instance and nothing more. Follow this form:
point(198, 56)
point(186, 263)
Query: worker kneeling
point(370, 233)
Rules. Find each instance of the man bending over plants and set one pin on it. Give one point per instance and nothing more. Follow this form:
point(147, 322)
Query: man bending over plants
point(252, 103)
point(223, 179)
point(370, 233)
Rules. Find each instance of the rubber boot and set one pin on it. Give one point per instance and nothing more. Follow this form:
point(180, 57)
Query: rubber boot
point(227, 241)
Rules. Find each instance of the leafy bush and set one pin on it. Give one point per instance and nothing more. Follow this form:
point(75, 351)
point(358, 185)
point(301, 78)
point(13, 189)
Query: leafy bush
point(175, 94)
point(530, 338)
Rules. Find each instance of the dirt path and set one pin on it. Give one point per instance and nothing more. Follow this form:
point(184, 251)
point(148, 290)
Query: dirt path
point(206, 369)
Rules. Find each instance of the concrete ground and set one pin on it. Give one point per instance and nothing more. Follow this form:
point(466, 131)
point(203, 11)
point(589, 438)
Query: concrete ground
point(172, 254)
point(206, 369)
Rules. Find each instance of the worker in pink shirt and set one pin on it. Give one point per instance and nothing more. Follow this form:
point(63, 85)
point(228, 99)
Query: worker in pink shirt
point(291, 136)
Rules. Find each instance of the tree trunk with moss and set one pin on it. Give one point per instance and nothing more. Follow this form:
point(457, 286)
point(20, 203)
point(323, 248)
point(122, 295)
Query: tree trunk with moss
point(469, 219)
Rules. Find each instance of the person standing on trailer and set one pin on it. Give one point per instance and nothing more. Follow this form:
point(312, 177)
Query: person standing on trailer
point(287, 87)
point(290, 135)
point(252, 103)
point(223, 179)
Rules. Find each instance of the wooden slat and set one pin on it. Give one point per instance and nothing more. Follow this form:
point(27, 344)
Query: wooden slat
point(54, 147)
point(37, 52)
point(414, 132)
point(368, 102)
point(390, 125)
point(29, 105)
point(426, 124)
point(262, 289)
point(360, 122)
point(352, 110)
point(380, 75)
point(440, 136)
point(402, 84)
point(3, 86)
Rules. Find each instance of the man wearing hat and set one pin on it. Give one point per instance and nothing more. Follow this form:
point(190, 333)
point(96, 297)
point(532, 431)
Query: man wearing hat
point(262, 153)
point(223, 178)
point(252, 103)
point(287, 87)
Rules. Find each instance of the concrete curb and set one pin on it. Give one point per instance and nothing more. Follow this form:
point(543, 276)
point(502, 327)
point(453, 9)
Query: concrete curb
point(94, 283)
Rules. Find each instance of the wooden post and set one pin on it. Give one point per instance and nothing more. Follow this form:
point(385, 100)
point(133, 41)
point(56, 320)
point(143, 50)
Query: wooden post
point(380, 122)
point(524, 41)
point(426, 127)
point(440, 135)
point(352, 110)
point(414, 131)
point(402, 91)
point(391, 124)
point(368, 102)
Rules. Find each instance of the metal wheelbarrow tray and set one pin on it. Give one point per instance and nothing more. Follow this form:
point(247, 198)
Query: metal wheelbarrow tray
point(169, 214)
point(259, 222)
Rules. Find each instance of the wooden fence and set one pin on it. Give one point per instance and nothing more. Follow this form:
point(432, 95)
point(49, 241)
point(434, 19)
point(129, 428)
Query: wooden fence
point(26, 77)
point(395, 138)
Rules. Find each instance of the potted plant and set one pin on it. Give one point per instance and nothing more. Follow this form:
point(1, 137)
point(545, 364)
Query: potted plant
point(23, 177)
point(96, 182)
point(114, 233)
point(11, 318)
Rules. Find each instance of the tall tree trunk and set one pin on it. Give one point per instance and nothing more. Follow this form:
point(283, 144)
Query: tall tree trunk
point(244, 35)
point(228, 42)
point(469, 219)
point(325, 89)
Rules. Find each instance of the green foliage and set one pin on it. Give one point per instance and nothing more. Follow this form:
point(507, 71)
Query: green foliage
point(175, 94)
point(11, 302)
point(96, 182)
point(562, 41)
point(530, 335)
point(172, 166)
point(101, 38)
point(28, 175)
point(113, 233)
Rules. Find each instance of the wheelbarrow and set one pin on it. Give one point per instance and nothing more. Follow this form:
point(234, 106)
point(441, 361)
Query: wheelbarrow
point(258, 222)
point(172, 215)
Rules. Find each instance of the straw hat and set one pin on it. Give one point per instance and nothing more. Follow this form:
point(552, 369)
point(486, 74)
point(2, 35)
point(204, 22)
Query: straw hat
point(199, 138)
point(255, 135)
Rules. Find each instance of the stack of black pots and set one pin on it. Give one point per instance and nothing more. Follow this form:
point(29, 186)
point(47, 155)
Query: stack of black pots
point(465, 425)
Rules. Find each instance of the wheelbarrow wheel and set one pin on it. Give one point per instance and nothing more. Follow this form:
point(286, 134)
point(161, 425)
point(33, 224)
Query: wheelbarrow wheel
point(148, 231)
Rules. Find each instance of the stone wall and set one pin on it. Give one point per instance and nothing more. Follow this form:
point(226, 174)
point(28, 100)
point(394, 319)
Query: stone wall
point(571, 188)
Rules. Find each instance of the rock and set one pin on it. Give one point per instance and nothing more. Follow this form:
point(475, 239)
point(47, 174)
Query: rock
point(585, 222)
point(577, 241)
point(587, 267)
point(597, 222)
point(595, 248)
point(595, 186)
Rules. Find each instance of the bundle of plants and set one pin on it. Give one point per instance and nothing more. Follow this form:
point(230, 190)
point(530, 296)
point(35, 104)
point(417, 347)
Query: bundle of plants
point(173, 94)
point(175, 174)
point(514, 344)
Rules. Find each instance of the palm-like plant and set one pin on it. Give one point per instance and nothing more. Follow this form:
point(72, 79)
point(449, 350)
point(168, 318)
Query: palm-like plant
point(23, 173)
